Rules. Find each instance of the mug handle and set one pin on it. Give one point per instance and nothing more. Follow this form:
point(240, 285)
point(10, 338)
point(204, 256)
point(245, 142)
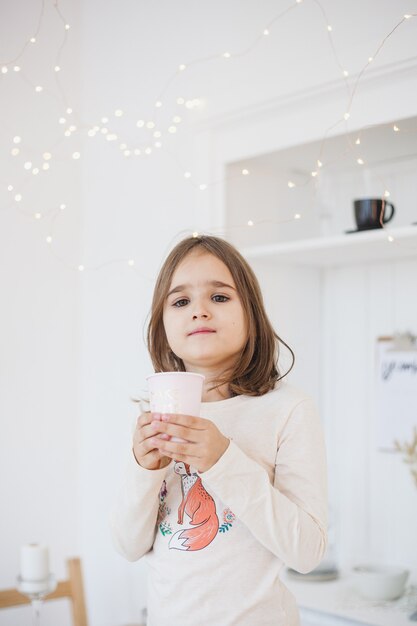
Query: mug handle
point(386, 219)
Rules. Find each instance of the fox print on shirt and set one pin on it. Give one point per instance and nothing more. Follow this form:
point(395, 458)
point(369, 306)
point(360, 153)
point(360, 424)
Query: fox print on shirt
point(199, 506)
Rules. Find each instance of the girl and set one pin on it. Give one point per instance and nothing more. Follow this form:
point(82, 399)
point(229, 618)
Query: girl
point(219, 514)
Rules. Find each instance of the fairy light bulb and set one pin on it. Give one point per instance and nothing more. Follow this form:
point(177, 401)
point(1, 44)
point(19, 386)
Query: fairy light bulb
point(203, 187)
point(104, 120)
point(10, 188)
point(47, 156)
point(360, 161)
point(250, 223)
point(319, 163)
point(118, 113)
point(148, 150)
point(407, 16)
point(390, 238)
point(62, 207)
point(91, 133)
point(18, 197)
point(49, 239)
point(4, 70)
point(358, 141)
point(266, 32)
point(136, 151)
point(76, 155)
point(38, 216)
point(396, 129)
point(126, 153)
point(172, 129)
point(72, 128)
point(140, 123)
point(45, 167)
point(180, 100)
point(38, 88)
point(226, 55)
point(291, 185)
point(176, 119)
point(81, 268)
point(245, 172)
point(17, 139)
point(187, 175)
point(111, 137)
point(298, 1)
point(123, 146)
point(345, 73)
point(329, 28)
point(15, 151)
point(57, 68)
point(67, 26)
point(182, 67)
point(32, 40)
point(62, 120)
point(314, 173)
point(157, 134)
point(158, 104)
point(28, 165)
point(69, 111)
point(150, 125)
point(16, 68)
point(35, 171)
point(131, 262)
point(346, 116)
point(195, 234)
point(386, 193)
point(158, 144)
point(104, 131)
point(297, 216)
point(370, 59)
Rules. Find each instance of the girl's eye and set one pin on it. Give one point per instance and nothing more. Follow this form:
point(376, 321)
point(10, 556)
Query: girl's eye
point(181, 302)
point(220, 298)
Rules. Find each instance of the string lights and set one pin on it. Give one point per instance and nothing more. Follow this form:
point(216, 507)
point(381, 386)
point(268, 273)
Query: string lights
point(144, 148)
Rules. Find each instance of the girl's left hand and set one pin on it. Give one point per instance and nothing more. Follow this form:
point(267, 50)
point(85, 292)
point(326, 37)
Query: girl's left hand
point(204, 443)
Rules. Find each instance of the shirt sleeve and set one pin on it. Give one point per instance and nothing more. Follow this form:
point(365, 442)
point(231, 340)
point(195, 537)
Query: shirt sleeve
point(134, 518)
point(288, 517)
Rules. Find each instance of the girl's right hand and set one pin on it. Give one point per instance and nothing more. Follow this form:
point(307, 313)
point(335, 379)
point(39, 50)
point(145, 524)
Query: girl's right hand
point(144, 451)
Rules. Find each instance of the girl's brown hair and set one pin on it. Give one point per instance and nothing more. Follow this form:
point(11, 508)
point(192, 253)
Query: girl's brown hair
point(256, 370)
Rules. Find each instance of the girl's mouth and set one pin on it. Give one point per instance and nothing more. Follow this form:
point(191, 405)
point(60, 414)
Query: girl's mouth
point(201, 331)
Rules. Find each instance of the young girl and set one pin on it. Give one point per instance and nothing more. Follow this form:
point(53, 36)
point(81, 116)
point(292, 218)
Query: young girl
point(219, 514)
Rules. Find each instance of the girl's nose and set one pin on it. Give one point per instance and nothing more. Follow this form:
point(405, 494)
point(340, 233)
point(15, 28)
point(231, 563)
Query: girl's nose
point(201, 315)
point(200, 311)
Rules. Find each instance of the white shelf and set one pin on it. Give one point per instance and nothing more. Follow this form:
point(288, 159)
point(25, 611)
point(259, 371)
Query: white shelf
point(347, 249)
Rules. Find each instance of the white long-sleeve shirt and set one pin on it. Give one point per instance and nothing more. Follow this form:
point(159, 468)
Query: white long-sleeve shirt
point(215, 542)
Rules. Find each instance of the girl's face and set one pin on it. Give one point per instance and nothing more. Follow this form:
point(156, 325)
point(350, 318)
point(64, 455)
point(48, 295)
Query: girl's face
point(203, 316)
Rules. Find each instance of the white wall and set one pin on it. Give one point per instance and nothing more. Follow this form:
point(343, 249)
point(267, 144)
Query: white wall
point(72, 353)
point(40, 306)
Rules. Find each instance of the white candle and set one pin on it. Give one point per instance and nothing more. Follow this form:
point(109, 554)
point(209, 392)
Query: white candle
point(34, 562)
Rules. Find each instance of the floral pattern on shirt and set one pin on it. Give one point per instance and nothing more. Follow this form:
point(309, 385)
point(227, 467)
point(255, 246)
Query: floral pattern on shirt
point(163, 512)
point(228, 519)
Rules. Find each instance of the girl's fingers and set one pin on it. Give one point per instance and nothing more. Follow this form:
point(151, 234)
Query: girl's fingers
point(145, 432)
point(152, 457)
point(174, 430)
point(147, 418)
point(175, 448)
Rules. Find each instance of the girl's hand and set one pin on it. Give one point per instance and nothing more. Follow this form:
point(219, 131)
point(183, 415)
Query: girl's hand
point(203, 446)
point(146, 453)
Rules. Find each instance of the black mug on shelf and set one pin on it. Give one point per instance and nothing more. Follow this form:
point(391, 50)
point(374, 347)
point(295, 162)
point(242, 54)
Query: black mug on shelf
point(371, 213)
